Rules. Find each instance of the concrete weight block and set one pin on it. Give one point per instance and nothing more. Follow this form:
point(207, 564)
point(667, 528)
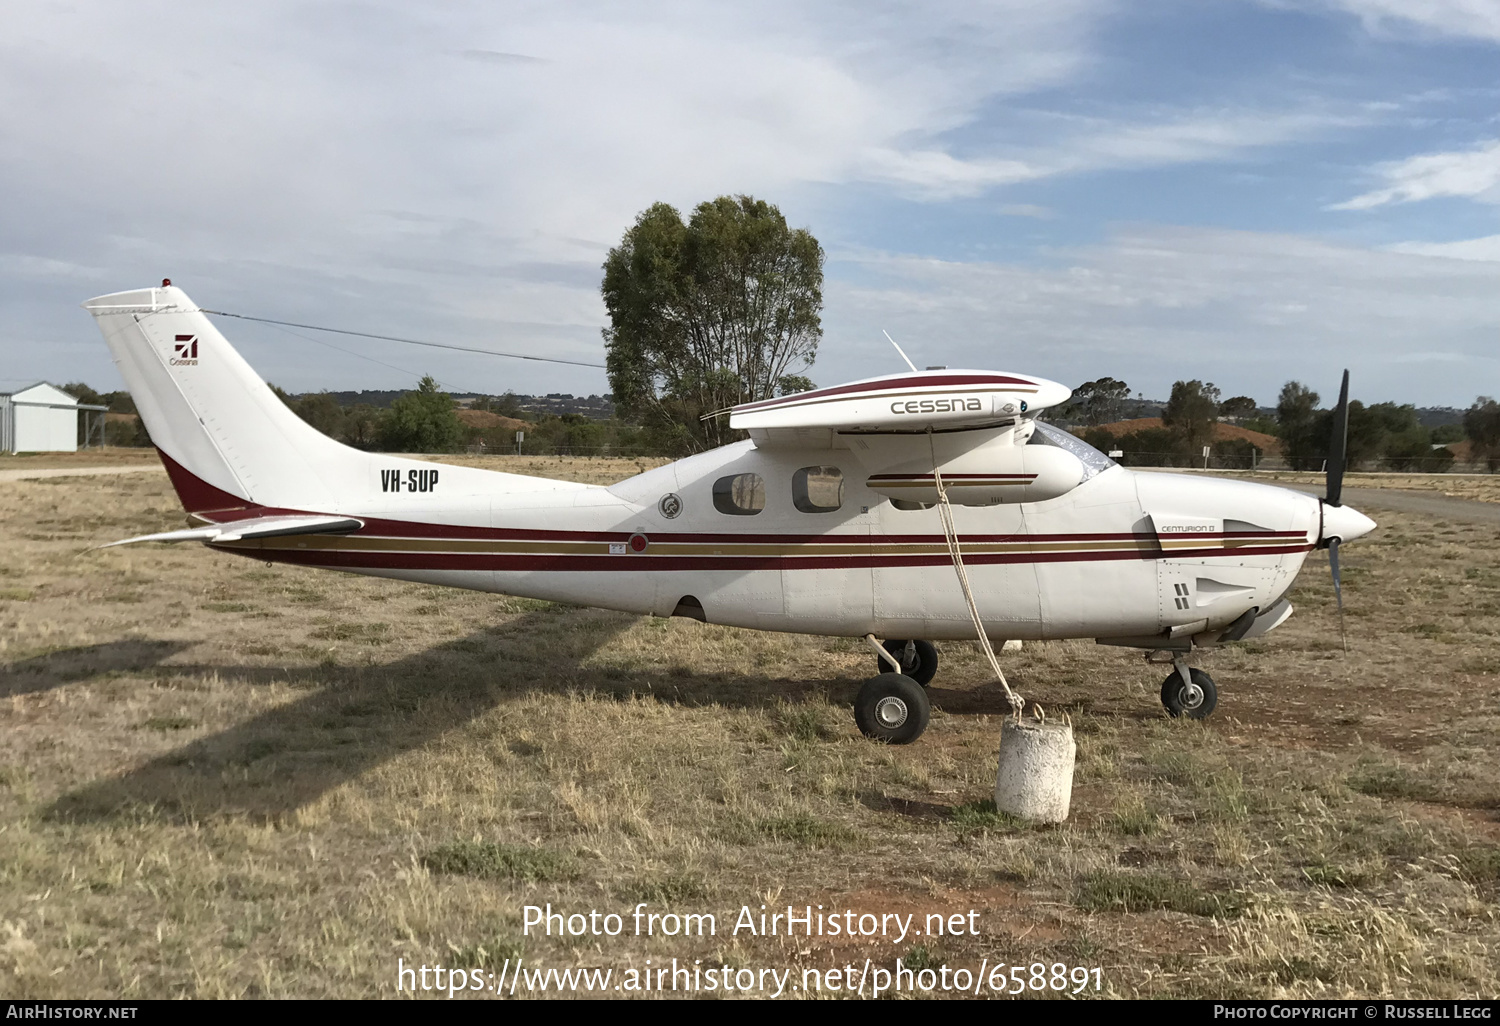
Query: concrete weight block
point(1035, 779)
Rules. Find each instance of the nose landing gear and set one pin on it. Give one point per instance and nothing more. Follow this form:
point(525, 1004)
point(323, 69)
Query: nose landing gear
point(1188, 692)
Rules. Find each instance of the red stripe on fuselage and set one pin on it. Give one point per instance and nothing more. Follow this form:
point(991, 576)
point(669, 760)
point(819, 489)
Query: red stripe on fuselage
point(357, 560)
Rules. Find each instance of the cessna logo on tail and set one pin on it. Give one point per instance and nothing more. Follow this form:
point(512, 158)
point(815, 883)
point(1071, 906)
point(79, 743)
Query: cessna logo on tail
point(186, 350)
point(961, 404)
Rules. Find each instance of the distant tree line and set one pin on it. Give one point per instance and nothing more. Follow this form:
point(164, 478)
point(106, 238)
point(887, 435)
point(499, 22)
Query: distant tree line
point(1385, 435)
point(123, 431)
point(426, 419)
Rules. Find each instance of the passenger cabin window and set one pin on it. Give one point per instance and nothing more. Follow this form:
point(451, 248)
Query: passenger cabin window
point(909, 506)
point(818, 489)
point(742, 495)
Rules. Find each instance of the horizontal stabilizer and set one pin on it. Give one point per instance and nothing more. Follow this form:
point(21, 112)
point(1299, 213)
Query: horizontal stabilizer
point(257, 527)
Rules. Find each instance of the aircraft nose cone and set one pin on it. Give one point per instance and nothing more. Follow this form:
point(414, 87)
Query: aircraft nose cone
point(1345, 523)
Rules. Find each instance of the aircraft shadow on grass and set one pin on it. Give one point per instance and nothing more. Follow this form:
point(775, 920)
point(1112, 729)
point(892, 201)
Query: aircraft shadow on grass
point(72, 665)
point(355, 718)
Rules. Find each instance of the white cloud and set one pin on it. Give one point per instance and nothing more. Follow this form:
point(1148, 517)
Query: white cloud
point(1486, 248)
point(1153, 304)
point(1078, 145)
point(1477, 19)
point(1032, 210)
point(462, 170)
point(1473, 174)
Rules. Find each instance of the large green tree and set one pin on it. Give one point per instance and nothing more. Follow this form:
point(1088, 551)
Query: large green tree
point(422, 421)
point(1098, 402)
point(1298, 425)
point(708, 314)
point(1482, 424)
point(1190, 415)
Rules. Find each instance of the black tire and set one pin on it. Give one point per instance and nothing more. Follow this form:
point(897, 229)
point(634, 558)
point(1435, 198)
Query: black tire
point(1175, 699)
point(892, 708)
point(920, 662)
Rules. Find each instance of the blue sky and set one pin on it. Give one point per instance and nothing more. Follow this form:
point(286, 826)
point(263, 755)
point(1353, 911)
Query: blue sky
point(1241, 191)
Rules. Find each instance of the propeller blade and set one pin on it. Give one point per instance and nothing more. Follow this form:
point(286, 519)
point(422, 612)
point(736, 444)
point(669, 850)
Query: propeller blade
point(1338, 445)
point(1338, 588)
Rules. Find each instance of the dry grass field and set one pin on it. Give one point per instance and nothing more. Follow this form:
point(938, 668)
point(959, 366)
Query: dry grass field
point(1483, 487)
point(108, 456)
point(221, 778)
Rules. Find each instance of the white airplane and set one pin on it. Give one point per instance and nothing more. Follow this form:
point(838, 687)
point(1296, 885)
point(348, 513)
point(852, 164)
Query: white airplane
point(828, 520)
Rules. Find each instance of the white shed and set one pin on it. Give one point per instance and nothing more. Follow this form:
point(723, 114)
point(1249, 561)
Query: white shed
point(42, 418)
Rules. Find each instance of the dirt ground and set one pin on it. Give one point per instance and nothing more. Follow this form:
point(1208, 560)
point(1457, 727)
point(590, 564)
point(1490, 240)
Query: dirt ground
point(219, 778)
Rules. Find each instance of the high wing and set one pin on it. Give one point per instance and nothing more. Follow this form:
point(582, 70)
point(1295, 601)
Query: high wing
point(972, 427)
point(256, 527)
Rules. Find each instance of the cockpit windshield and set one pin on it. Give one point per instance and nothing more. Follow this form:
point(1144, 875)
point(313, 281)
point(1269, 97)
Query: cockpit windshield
point(1093, 460)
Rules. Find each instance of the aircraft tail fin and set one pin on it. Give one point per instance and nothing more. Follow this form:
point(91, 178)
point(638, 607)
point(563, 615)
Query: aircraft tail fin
point(227, 440)
point(230, 443)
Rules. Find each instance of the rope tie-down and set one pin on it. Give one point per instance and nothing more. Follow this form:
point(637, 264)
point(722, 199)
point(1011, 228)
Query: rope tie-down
point(945, 514)
point(1034, 774)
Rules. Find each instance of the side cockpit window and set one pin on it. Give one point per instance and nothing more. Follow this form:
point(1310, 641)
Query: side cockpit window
point(740, 495)
point(818, 489)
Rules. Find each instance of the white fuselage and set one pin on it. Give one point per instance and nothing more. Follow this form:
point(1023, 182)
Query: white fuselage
point(1125, 553)
point(821, 523)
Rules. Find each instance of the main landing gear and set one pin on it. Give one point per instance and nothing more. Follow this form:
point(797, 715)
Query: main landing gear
point(893, 707)
point(918, 659)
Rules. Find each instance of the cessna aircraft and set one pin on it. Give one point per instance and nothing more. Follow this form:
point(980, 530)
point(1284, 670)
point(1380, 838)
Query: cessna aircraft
point(845, 513)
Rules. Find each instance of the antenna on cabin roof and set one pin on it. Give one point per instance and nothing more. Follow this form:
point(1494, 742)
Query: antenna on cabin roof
point(892, 341)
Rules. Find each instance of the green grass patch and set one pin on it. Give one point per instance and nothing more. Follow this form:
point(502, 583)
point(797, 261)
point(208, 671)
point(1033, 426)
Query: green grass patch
point(226, 607)
point(487, 954)
point(805, 723)
point(1110, 891)
point(972, 817)
point(1344, 876)
point(370, 633)
point(805, 830)
point(1479, 865)
point(15, 594)
point(490, 861)
point(1133, 819)
point(668, 889)
point(921, 957)
point(169, 723)
point(1390, 780)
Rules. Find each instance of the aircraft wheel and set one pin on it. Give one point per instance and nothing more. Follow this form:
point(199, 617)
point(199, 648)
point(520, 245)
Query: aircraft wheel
point(1196, 702)
point(892, 708)
point(918, 659)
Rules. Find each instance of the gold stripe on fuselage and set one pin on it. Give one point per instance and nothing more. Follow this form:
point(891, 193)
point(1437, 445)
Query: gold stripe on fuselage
point(488, 546)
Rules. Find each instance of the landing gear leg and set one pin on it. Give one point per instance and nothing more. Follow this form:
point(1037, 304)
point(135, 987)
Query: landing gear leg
point(917, 659)
point(892, 707)
point(1188, 692)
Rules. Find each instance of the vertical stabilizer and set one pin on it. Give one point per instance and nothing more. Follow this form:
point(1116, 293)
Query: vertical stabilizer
point(224, 435)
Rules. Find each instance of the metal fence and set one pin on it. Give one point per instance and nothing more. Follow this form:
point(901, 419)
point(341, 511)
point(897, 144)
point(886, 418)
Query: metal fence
point(1408, 465)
